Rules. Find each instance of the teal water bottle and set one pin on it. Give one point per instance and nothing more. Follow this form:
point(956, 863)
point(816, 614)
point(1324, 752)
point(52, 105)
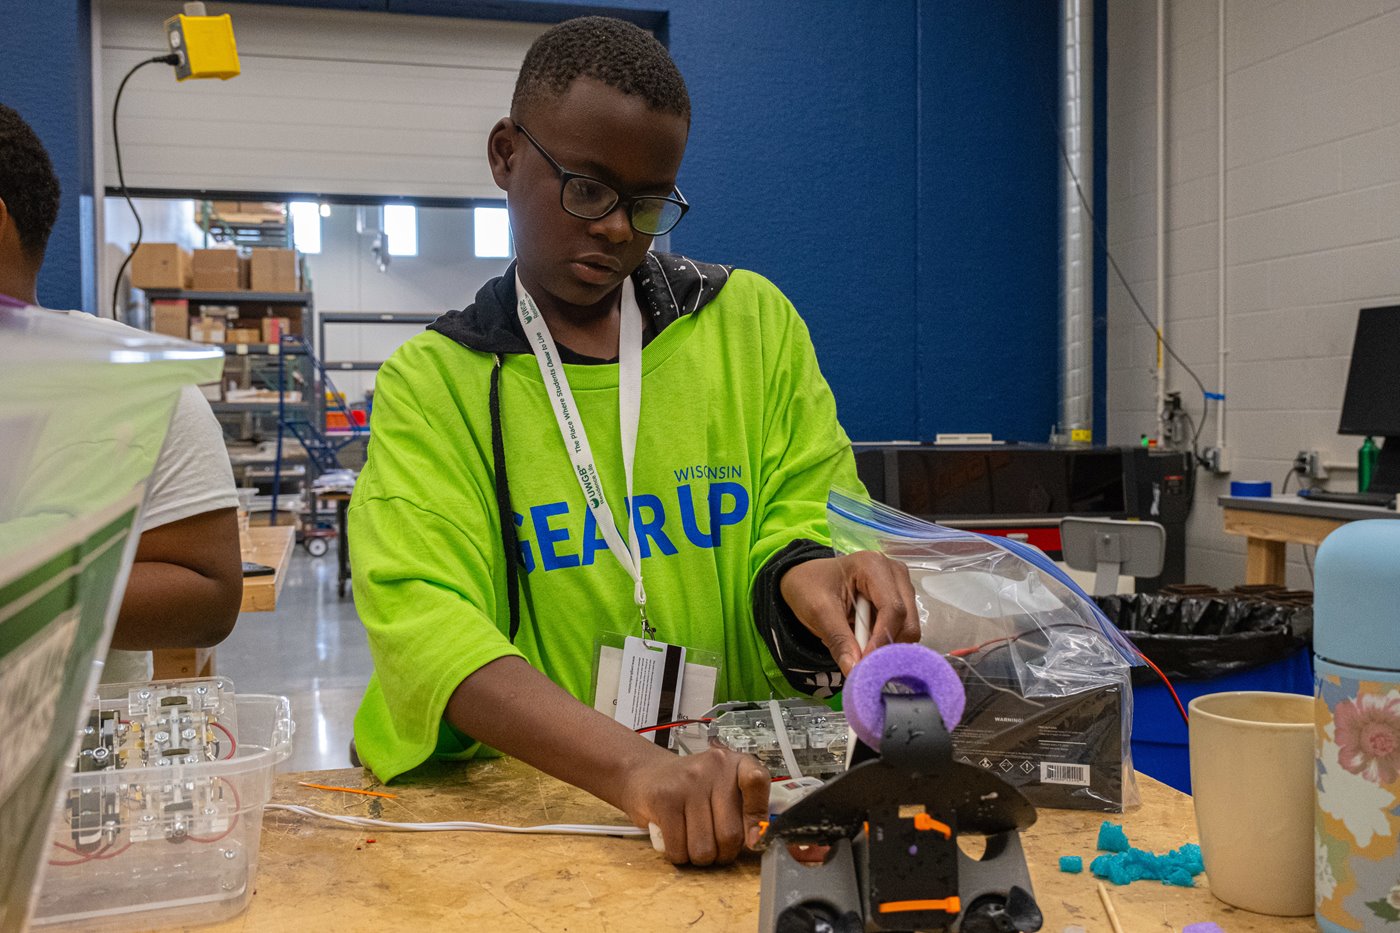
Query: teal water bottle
point(1356, 644)
point(1366, 459)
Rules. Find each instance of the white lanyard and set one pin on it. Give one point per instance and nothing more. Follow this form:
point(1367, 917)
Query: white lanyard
point(629, 404)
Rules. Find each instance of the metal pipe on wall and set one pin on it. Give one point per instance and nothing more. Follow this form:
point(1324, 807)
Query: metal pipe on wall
point(1077, 224)
point(1161, 214)
point(1222, 343)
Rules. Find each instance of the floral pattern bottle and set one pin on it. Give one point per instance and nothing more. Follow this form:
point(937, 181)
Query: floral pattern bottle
point(1356, 639)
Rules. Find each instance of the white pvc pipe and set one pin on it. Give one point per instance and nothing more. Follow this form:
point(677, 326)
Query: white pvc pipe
point(1222, 347)
point(1161, 213)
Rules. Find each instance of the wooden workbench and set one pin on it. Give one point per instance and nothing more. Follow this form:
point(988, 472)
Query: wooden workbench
point(316, 875)
point(261, 545)
point(1269, 525)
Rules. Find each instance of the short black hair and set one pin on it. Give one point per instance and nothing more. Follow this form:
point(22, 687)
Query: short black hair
point(609, 50)
point(28, 185)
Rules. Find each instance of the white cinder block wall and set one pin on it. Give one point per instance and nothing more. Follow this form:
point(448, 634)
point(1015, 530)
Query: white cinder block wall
point(1312, 145)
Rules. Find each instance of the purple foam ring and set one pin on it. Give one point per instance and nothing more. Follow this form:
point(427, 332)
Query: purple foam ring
point(912, 665)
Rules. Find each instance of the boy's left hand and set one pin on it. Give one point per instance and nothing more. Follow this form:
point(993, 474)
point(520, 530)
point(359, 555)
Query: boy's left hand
point(822, 594)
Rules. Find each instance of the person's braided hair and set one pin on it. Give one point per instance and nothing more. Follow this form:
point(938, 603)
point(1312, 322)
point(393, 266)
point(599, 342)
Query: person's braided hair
point(28, 185)
point(613, 51)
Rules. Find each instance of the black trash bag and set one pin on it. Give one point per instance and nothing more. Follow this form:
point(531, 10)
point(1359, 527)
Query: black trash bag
point(1202, 638)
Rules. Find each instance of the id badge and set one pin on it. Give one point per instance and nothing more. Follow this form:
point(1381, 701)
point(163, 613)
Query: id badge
point(641, 682)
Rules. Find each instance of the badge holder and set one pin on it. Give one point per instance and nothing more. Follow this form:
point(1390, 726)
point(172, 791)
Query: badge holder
point(643, 682)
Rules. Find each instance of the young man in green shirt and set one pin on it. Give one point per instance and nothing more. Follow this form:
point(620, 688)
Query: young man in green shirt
point(598, 379)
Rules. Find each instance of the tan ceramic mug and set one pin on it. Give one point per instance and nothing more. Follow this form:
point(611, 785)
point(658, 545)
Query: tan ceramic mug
point(1252, 781)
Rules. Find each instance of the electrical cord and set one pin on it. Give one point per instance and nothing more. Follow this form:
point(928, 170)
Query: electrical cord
point(171, 59)
point(1123, 279)
point(1009, 640)
point(972, 669)
point(552, 829)
point(232, 742)
point(670, 725)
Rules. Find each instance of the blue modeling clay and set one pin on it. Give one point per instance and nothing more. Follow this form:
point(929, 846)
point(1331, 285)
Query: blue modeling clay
point(1072, 864)
point(1179, 877)
point(1190, 855)
point(1175, 868)
point(1112, 838)
point(1206, 927)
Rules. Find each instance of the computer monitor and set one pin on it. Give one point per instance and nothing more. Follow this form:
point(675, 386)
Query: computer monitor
point(1372, 404)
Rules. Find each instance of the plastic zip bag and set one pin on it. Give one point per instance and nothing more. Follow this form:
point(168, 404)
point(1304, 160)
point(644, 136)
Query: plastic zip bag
point(1047, 674)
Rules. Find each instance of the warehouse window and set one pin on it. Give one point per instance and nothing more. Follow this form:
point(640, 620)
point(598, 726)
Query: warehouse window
point(492, 231)
point(306, 226)
point(401, 227)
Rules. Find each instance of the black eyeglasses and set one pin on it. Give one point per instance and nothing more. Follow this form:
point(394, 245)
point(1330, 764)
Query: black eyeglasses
point(589, 199)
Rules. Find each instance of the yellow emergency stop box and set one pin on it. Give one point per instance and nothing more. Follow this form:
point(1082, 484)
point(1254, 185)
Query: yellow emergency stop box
point(205, 45)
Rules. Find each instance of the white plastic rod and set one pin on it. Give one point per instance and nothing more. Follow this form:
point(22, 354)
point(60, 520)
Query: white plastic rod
point(862, 631)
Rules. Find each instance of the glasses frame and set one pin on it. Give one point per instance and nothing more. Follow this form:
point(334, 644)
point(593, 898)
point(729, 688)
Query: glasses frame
point(628, 201)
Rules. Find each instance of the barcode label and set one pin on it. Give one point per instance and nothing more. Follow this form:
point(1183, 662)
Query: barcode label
point(1064, 774)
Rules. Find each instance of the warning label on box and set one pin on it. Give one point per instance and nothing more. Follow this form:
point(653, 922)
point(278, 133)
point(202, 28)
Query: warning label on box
point(1059, 751)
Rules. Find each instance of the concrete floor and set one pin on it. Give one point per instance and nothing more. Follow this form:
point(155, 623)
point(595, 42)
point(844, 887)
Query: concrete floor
point(312, 650)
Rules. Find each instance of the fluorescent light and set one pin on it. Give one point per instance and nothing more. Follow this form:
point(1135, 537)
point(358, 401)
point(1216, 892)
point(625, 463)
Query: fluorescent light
point(306, 226)
point(401, 227)
point(491, 227)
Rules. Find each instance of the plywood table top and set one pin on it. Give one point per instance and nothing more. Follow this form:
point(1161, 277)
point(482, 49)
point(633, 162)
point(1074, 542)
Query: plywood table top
point(316, 875)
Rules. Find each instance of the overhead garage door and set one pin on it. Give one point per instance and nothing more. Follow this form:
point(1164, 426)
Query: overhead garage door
point(329, 103)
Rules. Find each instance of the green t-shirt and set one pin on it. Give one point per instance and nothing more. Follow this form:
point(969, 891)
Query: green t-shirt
point(737, 449)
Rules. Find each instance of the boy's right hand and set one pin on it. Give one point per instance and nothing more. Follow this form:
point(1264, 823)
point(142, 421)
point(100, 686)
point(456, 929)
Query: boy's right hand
point(707, 806)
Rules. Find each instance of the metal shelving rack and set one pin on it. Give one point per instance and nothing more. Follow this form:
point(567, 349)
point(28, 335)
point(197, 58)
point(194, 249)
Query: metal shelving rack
point(254, 419)
point(243, 230)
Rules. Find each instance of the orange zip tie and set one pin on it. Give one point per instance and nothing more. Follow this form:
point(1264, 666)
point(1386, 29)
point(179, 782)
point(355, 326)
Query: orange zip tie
point(924, 822)
point(950, 905)
point(349, 790)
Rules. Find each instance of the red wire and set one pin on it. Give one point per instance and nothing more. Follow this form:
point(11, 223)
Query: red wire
point(232, 743)
point(1170, 689)
point(102, 853)
point(963, 652)
point(670, 725)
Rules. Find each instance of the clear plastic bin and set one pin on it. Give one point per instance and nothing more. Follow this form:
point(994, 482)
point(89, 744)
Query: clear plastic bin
point(160, 823)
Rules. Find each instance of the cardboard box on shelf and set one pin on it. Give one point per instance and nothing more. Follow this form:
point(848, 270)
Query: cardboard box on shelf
point(171, 317)
point(224, 312)
point(160, 265)
point(218, 270)
point(275, 328)
point(242, 335)
point(207, 330)
point(273, 270)
point(250, 212)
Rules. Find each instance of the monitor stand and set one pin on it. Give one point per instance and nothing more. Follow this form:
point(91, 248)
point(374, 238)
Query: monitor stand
point(1387, 478)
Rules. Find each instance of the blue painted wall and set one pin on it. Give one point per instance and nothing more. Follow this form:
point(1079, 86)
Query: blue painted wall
point(890, 165)
point(46, 74)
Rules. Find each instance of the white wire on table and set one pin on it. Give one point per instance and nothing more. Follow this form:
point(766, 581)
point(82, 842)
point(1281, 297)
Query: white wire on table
point(449, 826)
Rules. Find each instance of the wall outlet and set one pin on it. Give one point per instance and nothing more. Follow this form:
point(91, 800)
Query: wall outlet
point(1309, 463)
point(1216, 460)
